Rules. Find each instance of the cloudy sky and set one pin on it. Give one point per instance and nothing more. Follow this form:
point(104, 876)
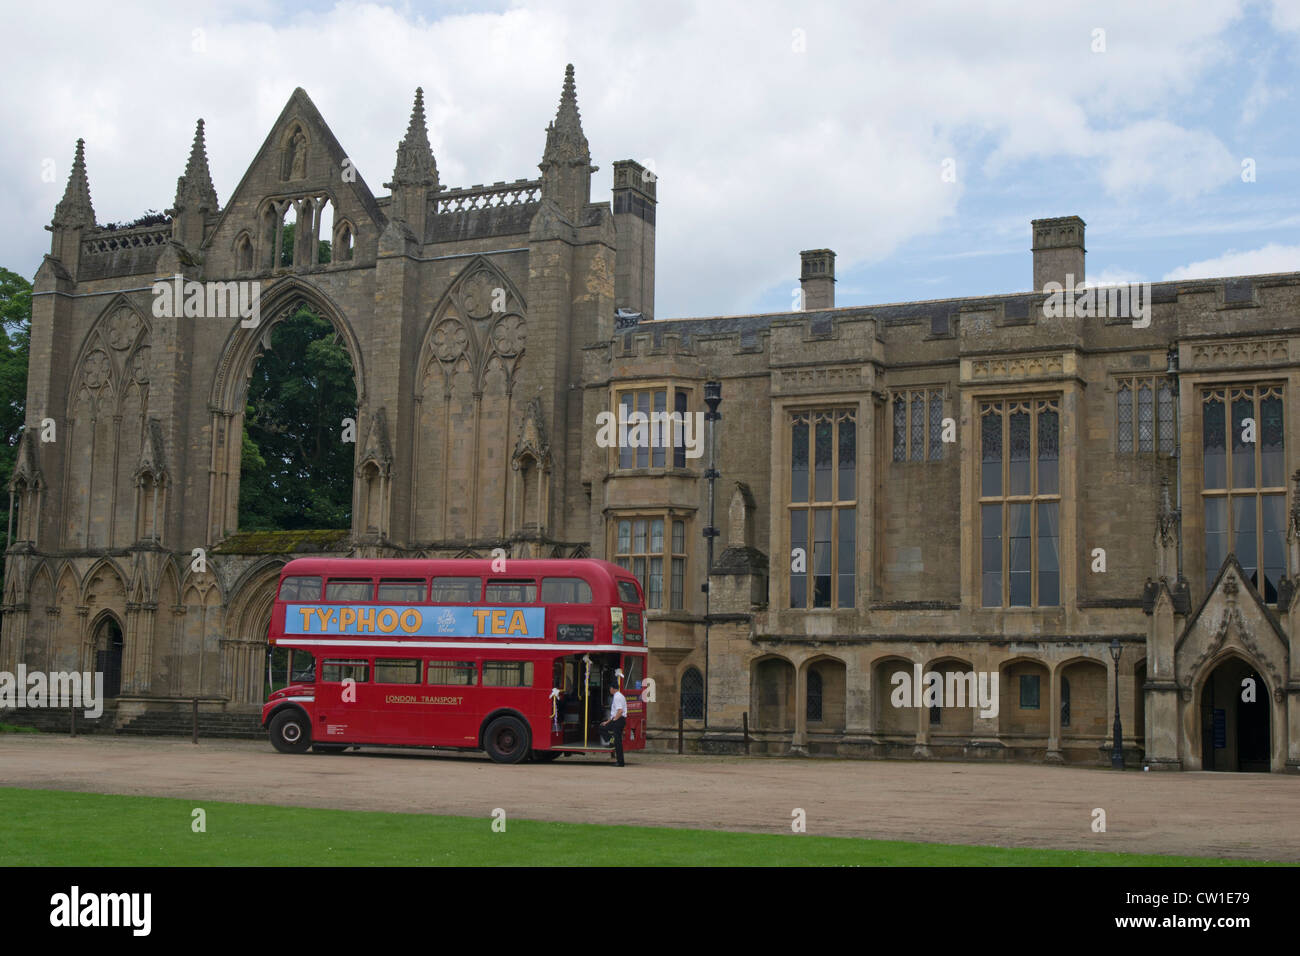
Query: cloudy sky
point(915, 139)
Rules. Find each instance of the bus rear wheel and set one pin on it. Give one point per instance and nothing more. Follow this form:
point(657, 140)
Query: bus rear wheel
point(506, 740)
point(290, 732)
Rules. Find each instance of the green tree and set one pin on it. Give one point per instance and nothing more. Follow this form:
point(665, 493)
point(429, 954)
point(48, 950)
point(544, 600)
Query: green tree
point(296, 470)
point(15, 339)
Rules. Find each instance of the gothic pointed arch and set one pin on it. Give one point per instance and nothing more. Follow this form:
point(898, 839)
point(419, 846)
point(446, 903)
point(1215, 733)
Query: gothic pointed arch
point(243, 250)
point(248, 621)
point(105, 577)
point(1231, 618)
point(104, 598)
point(373, 487)
point(244, 345)
point(234, 371)
point(295, 142)
point(151, 481)
point(63, 645)
point(114, 353)
point(469, 363)
point(199, 636)
point(481, 317)
point(26, 490)
point(162, 669)
point(530, 465)
point(33, 643)
point(108, 406)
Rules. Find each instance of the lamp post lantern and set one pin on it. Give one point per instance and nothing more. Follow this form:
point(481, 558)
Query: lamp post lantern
point(1117, 751)
point(712, 398)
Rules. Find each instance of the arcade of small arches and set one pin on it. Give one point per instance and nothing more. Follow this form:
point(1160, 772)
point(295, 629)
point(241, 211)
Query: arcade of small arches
point(1059, 711)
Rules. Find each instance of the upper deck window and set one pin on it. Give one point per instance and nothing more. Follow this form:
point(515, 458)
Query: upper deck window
point(300, 589)
point(401, 592)
point(350, 590)
point(565, 591)
point(455, 590)
point(511, 592)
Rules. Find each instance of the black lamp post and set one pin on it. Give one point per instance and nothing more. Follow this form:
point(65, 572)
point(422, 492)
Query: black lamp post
point(1117, 752)
point(712, 398)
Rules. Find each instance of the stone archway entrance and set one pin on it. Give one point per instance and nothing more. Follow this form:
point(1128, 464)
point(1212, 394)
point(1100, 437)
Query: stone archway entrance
point(1235, 733)
point(108, 655)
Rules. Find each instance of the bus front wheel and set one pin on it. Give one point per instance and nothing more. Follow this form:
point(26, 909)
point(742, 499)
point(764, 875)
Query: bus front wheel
point(506, 740)
point(290, 732)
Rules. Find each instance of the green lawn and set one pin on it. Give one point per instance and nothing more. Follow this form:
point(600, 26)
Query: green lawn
point(59, 828)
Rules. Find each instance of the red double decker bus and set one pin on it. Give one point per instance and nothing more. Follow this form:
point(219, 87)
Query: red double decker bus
point(450, 653)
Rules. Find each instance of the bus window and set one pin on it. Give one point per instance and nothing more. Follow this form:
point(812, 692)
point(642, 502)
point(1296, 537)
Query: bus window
point(632, 672)
point(565, 591)
point(507, 673)
point(300, 589)
point(345, 590)
point(302, 667)
point(397, 672)
point(401, 592)
point(452, 673)
point(335, 672)
point(628, 592)
point(455, 590)
point(511, 592)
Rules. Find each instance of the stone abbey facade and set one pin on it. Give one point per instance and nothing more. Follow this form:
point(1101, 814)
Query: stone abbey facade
point(968, 485)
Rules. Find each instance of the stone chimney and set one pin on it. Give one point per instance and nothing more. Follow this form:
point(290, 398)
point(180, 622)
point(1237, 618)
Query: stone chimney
point(635, 191)
point(1058, 251)
point(817, 279)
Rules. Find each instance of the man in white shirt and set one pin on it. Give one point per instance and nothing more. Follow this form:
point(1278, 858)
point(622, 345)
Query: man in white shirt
point(617, 720)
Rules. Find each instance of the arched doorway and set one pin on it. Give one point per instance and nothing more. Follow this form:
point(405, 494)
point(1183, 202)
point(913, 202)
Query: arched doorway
point(108, 655)
point(824, 707)
point(773, 695)
point(1236, 729)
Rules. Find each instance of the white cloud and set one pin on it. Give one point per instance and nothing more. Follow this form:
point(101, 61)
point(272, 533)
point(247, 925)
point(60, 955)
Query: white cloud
point(1263, 261)
point(761, 150)
point(1113, 275)
point(1285, 15)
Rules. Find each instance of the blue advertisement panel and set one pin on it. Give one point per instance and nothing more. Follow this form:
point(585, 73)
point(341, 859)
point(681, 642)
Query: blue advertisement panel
point(405, 620)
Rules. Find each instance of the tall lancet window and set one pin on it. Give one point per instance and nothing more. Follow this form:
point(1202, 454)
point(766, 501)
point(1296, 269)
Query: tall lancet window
point(1244, 483)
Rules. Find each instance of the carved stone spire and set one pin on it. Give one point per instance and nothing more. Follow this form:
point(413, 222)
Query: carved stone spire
point(415, 178)
point(74, 210)
point(566, 161)
point(565, 141)
point(415, 163)
point(194, 190)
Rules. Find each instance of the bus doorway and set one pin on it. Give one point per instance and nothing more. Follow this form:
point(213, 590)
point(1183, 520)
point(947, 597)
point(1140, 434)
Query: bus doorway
point(587, 683)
